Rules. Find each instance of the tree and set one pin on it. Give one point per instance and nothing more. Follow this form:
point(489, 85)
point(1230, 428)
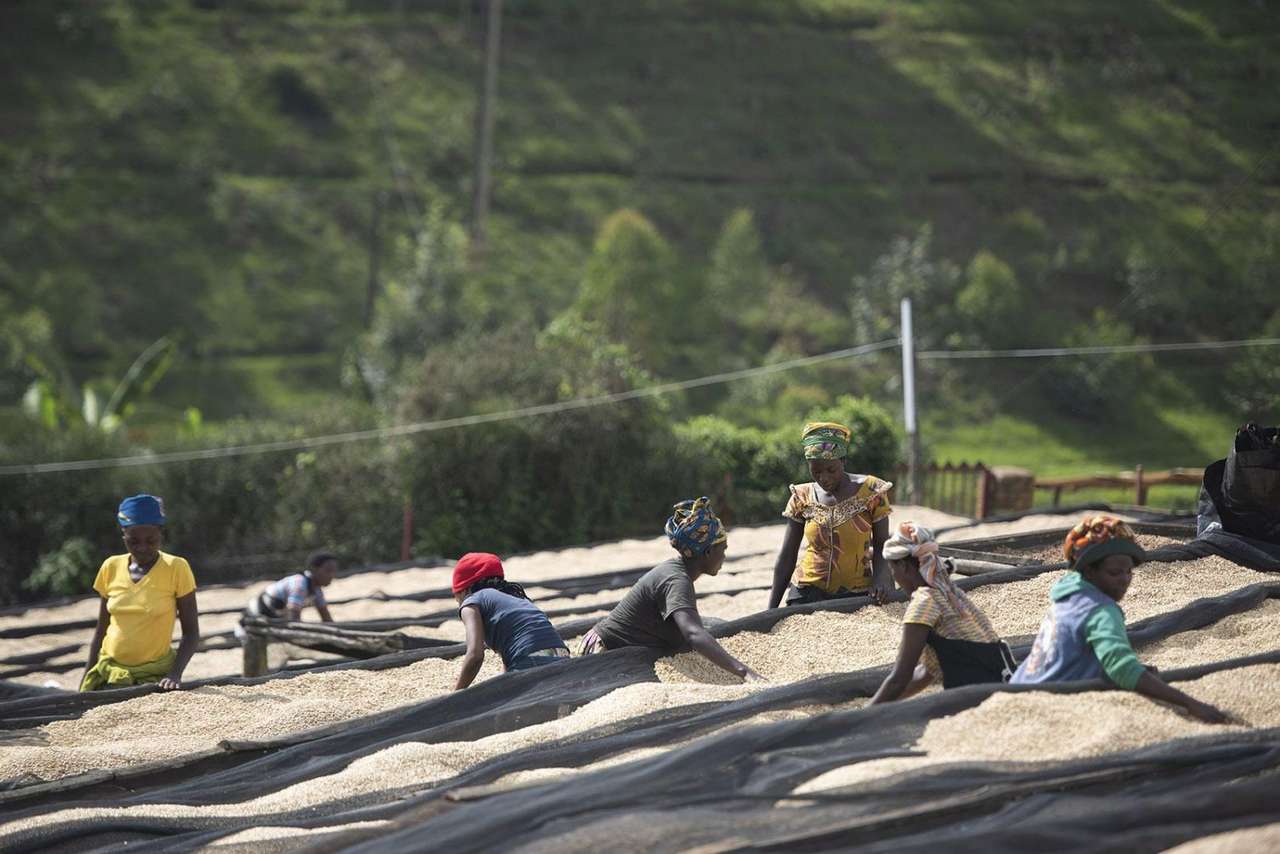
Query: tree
point(415, 311)
point(1252, 382)
point(1099, 386)
point(739, 274)
point(739, 284)
point(908, 269)
point(629, 290)
point(992, 303)
point(25, 347)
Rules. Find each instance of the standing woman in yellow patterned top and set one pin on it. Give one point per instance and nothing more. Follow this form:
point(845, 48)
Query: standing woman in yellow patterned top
point(842, 520)
point(143, 593)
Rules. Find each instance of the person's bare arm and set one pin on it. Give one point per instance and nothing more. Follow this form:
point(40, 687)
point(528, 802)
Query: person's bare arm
point(474, 657)
point(881, 576)
point(1150, 685)
point(293, 614)
point(902, 678)
point(99, 632)
point(323, 611)
point(189, 617)
point(785, 565)
point(696, 635)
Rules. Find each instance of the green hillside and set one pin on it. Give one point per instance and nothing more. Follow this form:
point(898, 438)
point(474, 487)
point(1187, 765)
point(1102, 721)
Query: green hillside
point(214, 168)
point(271, 198)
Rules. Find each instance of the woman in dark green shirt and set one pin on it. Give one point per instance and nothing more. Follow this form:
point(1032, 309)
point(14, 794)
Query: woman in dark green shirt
point(661, 609)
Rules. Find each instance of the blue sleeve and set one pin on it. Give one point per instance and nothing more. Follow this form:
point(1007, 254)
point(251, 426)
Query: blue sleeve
point(1105, 632)
point(481, 602)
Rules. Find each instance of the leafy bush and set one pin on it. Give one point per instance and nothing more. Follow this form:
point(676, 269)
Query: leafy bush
point(1098, 386)
point(67, 571)
point(992, 303)
point(631, 288)
point(1252, 382)
point(909, 269)
point(763, 463)
point(572, 477)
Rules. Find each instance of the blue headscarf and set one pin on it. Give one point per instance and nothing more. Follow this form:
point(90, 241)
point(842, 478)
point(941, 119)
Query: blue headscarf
point(140, 510)
point(694, 529)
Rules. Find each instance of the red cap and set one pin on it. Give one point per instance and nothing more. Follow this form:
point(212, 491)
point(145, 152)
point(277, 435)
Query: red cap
point(472, 567)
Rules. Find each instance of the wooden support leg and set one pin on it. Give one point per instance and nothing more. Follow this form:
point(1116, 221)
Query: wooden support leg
point(255, 655)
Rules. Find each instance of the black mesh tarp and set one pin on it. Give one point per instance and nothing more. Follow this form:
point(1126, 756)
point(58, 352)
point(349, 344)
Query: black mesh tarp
point(521, 699)
point(720, 790)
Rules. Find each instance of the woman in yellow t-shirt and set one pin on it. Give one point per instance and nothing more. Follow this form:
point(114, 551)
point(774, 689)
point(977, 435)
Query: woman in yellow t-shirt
point(142, 594)
point(842, 520)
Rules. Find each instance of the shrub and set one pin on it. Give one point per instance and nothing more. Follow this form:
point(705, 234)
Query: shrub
point(992, 303)
point(67, 571)
point(1098, 386)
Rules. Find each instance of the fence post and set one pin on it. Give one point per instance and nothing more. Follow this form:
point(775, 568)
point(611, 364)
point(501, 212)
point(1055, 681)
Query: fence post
point(723, 508)
point(255, 654)
point(1140, 487)
point(984, 491)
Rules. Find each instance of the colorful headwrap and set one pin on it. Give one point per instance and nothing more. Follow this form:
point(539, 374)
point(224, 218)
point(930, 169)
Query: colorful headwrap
point(825, 440)
point(140, 510)
point(1098, 537)
point(694, 528)
point(912, 540)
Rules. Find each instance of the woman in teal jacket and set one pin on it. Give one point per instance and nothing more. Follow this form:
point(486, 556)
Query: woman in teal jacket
point(1083, 636)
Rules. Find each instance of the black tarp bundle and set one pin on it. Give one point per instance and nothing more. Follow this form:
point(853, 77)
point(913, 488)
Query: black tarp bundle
point(1238, 514)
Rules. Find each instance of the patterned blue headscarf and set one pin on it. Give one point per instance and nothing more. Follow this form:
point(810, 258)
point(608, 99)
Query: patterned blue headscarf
point(140, 510)
point(694, 529)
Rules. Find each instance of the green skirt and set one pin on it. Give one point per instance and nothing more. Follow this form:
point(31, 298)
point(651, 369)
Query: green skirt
point(109, 673)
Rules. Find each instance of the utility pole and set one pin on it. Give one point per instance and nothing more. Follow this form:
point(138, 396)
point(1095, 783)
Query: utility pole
point(914, 478)
point(484, 126)
point(375, 253)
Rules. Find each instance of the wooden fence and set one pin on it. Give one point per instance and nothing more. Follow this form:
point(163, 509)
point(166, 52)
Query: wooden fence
point(961, 489)
point(1137, 480)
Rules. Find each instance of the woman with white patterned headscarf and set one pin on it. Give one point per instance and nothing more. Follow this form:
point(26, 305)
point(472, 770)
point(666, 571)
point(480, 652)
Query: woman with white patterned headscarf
point(941, 624)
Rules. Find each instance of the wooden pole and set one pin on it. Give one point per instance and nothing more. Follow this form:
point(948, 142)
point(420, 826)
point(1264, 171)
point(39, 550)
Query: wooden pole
point(406, 531)
point(375, 253)
point(985, 483)
point(484, 126)
point(255, 654)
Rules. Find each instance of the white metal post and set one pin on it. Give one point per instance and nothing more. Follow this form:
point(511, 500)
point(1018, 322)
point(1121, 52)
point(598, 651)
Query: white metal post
point(909, 403)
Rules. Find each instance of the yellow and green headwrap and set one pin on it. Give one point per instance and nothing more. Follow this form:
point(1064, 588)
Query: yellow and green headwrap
point(694, 529)
point(826, 440)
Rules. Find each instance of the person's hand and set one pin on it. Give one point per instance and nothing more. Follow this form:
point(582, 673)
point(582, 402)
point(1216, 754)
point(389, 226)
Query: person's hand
point(880, 592)
point(752, 677)
point(1207, 713)
point(170, 683)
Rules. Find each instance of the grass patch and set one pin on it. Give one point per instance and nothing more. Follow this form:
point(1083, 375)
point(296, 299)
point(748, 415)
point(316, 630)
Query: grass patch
point(1165, 438)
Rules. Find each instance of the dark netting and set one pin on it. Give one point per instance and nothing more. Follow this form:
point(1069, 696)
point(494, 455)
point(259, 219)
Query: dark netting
point(722, 788)
point(521, 699)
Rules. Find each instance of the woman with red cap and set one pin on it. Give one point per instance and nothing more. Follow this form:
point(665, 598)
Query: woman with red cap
point(496, 613)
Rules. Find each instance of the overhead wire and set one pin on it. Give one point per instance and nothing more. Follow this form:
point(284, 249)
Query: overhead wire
point(415, 428)
point(401, 430)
